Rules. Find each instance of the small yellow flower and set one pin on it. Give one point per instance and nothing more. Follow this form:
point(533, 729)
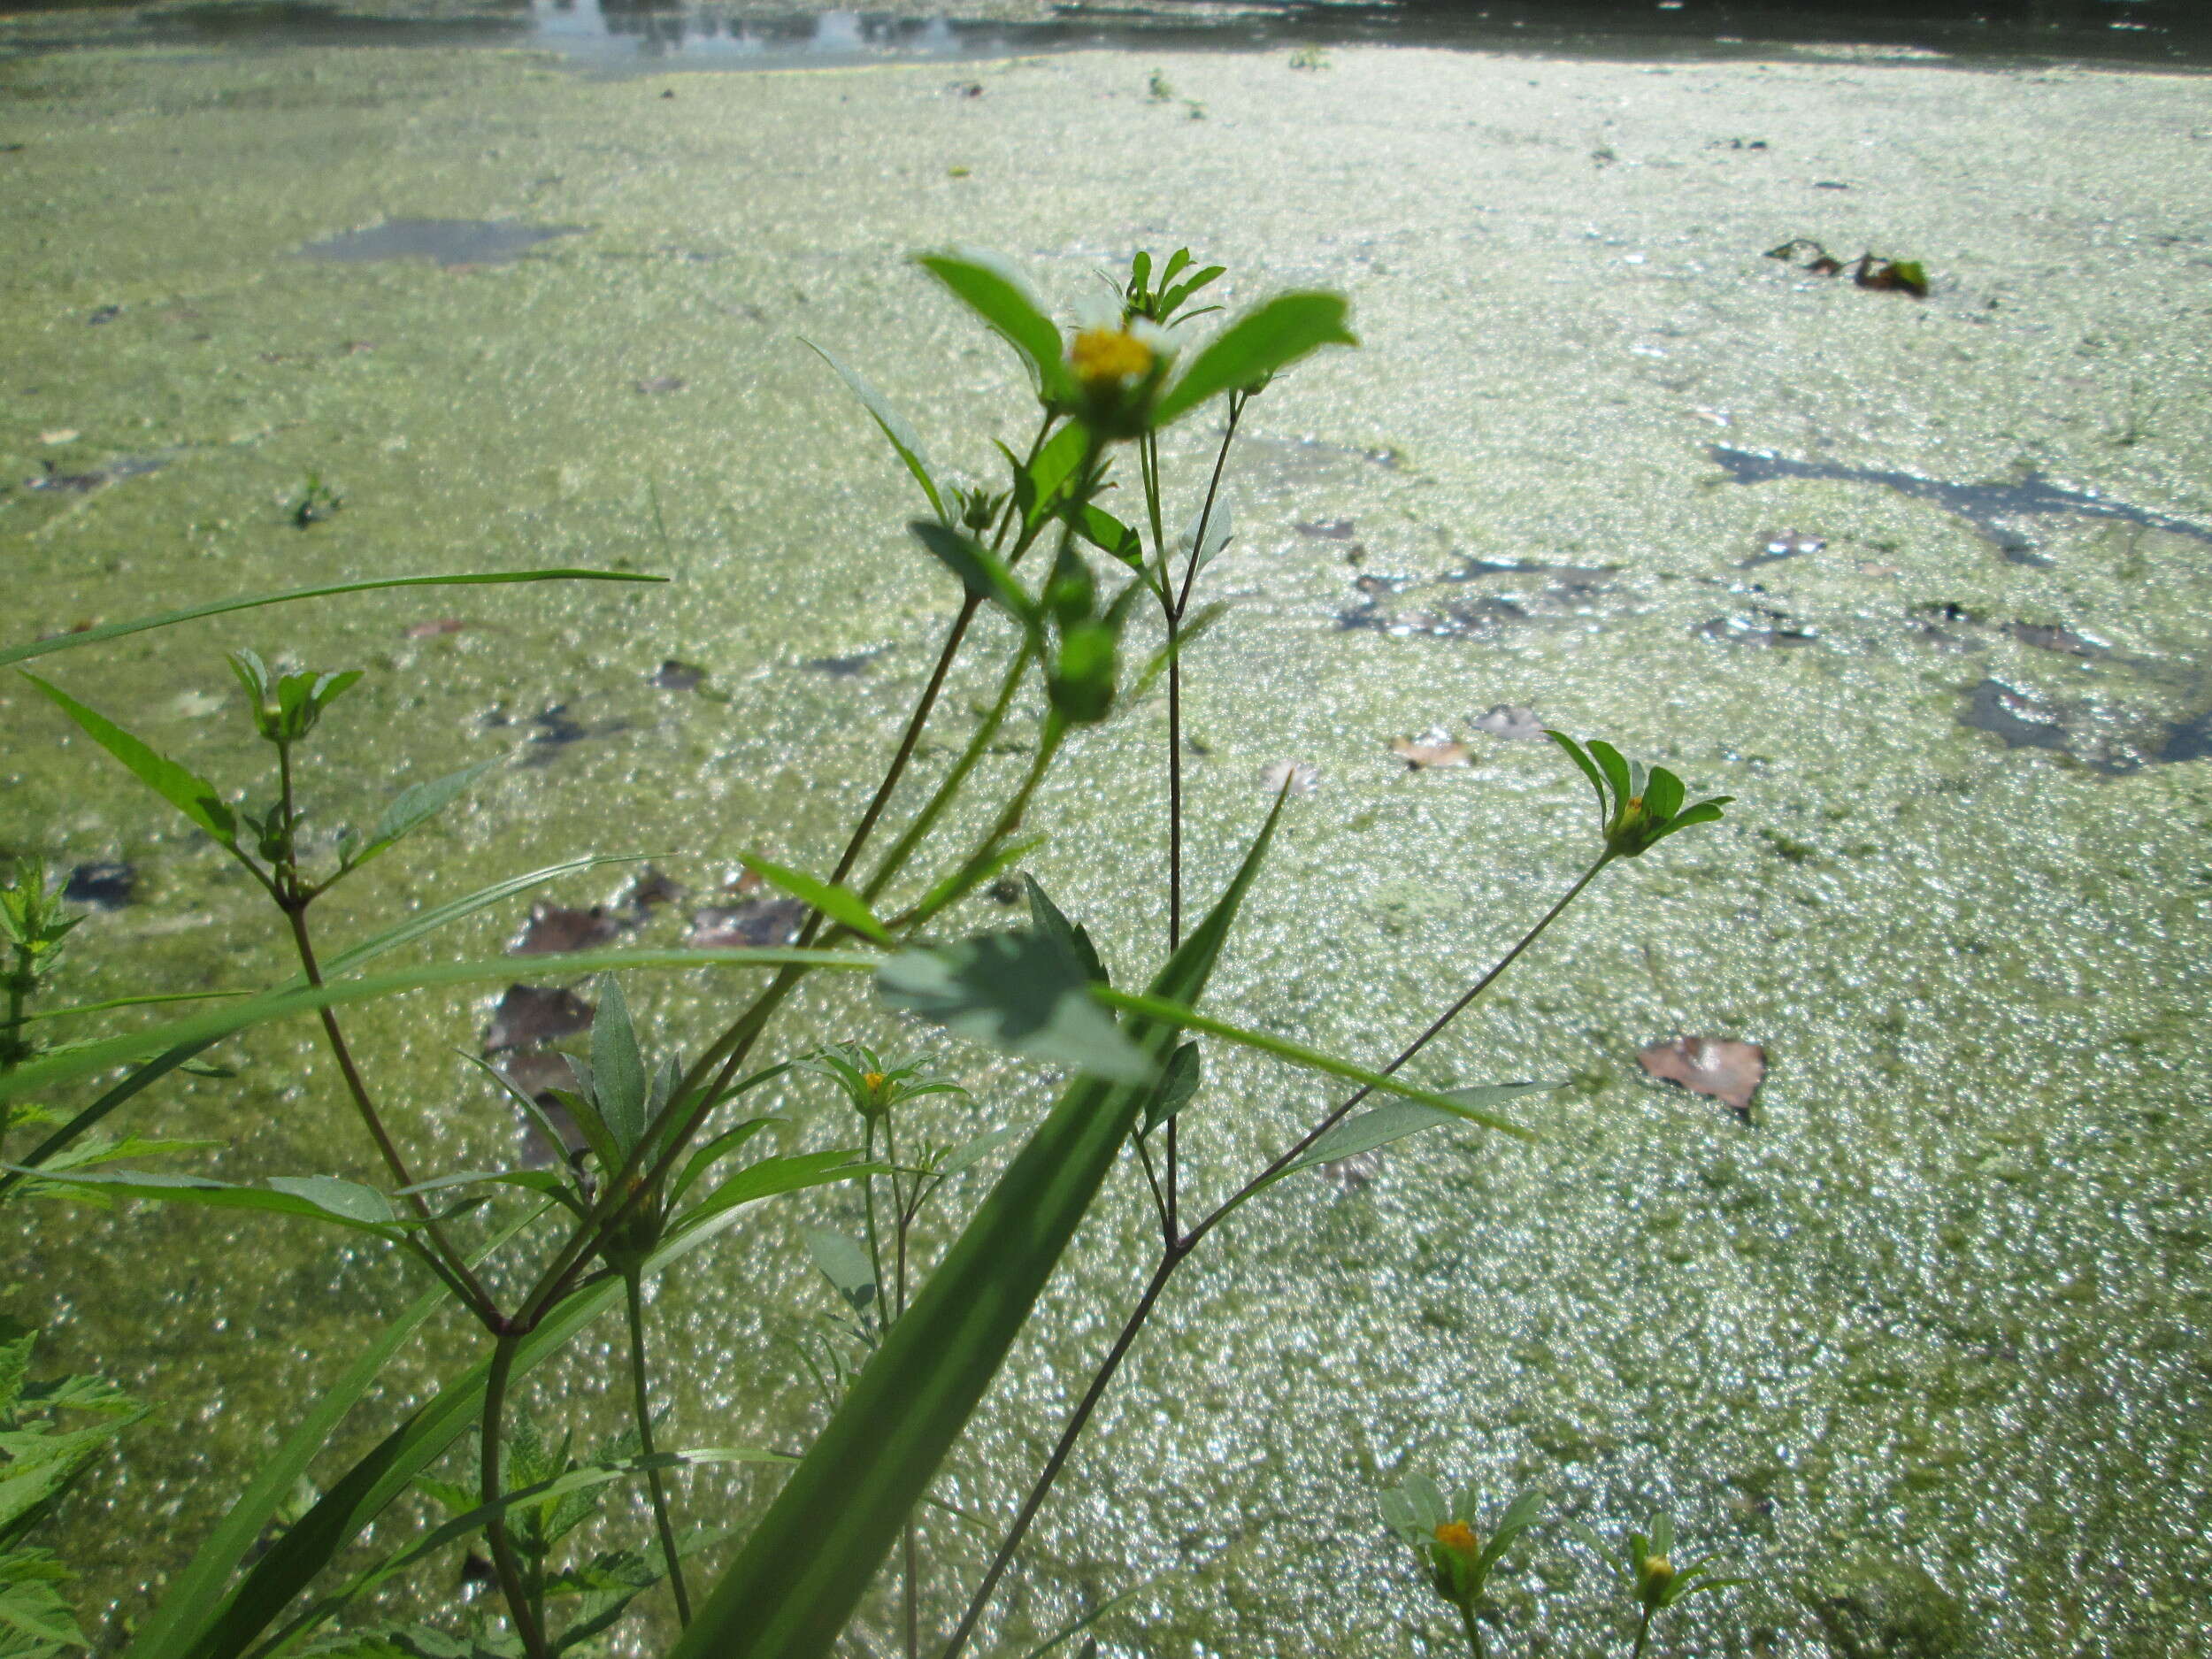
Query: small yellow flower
point(873, 1080)
point(1101, 356)
point(1460, 1538)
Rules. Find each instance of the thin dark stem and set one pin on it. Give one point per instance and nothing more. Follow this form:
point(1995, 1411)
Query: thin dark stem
point(641, 1397)
point(504, 1563)
point(1474, 1630)
point(1436, 1027)
point(1072, 1432)
point(868, 1204)
point(1643, 1634)
point(1159, 1198)
point(1179, 1250)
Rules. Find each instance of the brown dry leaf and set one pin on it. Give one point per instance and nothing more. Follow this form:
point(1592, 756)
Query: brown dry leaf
point(661, 383)
point(553, 929)
point(1431, 749)
point(1727, 1070)
point(528, 1014)
point(650, 887)
point(432, 629)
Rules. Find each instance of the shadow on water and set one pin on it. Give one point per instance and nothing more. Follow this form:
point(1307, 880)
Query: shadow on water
point(1993, 509)
point(671, 34)
point(450, 241)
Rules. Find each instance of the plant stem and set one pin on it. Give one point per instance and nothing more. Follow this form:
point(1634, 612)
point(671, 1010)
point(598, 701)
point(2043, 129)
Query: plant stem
point(1473, 1629)
point(926, 818)
point(1435, 1029)
point(1168, 1261)
point(633, 1284)
point(1643, 1634)
point(1179, 1250)
point(511, 1583)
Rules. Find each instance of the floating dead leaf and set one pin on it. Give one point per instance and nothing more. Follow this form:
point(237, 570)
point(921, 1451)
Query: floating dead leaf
point(1431, 749)
point(433, 629)
point(1326, 530)
point(2050, 637)
point(103, 887)
point(1514, 724)
point(649, 889)
point(674, 676)
point(529, 1014)
point(60, 434)
point(1727, 1070)
point(1302, 778)
point(758, 922)
point(662, 383)
point(81, 483)
point(1354, 1174)
point(553, 930)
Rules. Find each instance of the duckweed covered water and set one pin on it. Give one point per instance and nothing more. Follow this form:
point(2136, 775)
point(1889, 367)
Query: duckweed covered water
point(1925, 1350)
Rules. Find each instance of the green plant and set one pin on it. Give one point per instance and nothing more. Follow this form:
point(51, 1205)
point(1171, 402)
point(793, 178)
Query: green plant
point(1645, 1566)
point(1452, 1552)
point(534, 1256)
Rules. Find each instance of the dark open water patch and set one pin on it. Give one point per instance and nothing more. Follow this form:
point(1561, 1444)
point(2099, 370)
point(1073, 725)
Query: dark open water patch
point(1993, 509)
point(658, 35)
point(450, 241)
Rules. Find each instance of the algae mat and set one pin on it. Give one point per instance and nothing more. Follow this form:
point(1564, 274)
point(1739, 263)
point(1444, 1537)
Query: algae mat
point(1924, 1349)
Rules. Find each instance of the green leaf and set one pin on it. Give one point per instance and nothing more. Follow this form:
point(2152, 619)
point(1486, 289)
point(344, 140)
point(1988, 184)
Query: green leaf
point(971, 1152)
point(995, 292)
point(1189, 1019)
point(844, 1264)
point(1589, 770)
point(1109, 534)
point(1615, 771)
point(617, 1069)
point(186, 791)
point(792, 1589)
point(1269, 338)
point(317, 1197)
point(415, 806)
point(981, 572)
point(707, 1155)
point(166, 618)
point(836, 901)
point(893, 426)
point(1043, 479)
point(1046, 918)
point(205, 1629)
point(1394, 1120)
point(768, 1178)
point(53, 1068)
point(1177, 1087)
point(1662, 794)
point(1703, 812)
point(1025, 992)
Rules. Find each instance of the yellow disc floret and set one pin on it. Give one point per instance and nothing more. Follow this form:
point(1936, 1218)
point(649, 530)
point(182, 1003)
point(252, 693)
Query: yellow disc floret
point(1459, 1538)
point(1105, 355)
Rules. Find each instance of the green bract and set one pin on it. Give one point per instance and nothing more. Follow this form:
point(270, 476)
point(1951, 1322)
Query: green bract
point(1636, 808)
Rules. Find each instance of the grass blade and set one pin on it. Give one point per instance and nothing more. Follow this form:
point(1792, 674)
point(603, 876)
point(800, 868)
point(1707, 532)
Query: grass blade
point(116, 630)
point(201, 1029)
point(793, 1587)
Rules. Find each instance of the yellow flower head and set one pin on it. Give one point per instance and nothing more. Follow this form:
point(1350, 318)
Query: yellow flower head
point(872, 1079)
point(1460, 1538)
point(1102, 356)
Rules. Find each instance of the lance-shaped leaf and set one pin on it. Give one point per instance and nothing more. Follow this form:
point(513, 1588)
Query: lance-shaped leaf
point(184, 789)
point(317, 1197)
point(767, 1177)
point(617, 1069)
point(995, 292)
point(1026, 992)
point(1271, 337)
point(415, 806)
point(981, 572)
point(835, 901)
point(894, 428)
point(1177, 1086)
point(793, 1588)
point(1039, 486)
point(1046, 917)
point(844, 1264)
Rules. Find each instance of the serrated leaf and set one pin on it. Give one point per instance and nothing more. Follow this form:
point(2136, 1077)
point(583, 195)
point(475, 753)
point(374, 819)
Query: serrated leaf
point(184, 789)
point(1178, 1085)
point(415, 806)
point(981, 572)
point(1257, 345)
point(1046, 918)
point(1025, 992)
point(617, 1069)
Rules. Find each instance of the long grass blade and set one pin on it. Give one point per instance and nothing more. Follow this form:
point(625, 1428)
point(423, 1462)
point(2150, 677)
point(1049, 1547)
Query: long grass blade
point(794, 1585)
point(139, 624)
